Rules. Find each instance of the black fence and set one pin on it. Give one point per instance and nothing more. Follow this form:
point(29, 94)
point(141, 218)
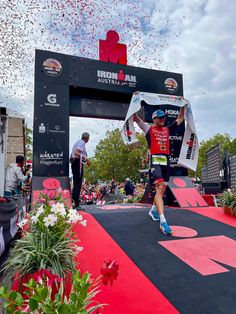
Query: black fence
point(11, 213)
point(219, 172)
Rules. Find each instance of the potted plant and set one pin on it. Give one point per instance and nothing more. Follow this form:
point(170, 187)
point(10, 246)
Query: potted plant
point(43, 263)
point(227, 200)
point(45, 295)
point(48, 241)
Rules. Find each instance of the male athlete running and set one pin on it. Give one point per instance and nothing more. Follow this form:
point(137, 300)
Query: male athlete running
point(157, 137)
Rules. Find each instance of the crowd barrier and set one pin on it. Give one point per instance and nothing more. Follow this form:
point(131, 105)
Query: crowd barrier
point(11, 213)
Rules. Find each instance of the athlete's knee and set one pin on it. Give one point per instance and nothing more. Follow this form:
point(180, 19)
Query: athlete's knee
point(160, 188)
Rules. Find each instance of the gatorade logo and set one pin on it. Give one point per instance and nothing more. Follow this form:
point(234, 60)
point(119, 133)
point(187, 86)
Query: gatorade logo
point(52, 101)
point(52, 98)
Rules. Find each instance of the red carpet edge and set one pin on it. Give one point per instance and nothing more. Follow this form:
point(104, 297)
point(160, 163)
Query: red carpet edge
point(216, 213)
point(132, 292)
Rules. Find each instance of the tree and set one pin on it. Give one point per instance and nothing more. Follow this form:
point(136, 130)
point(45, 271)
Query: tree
point(116, 160)
point(226, 145)
point(232, 149)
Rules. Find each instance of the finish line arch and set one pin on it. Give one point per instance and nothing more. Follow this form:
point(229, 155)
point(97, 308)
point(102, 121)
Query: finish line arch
point(73, 86)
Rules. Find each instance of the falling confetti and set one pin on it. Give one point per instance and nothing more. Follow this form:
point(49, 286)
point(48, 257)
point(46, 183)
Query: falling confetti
point(74, 27)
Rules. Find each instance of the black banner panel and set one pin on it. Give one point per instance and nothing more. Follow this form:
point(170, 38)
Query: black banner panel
point(213, 164)
point(51, 130)
point(204, 174)
point(98, 75)
point(211, 179)
point(85, 102)
point(73, 86)
point(232, 167)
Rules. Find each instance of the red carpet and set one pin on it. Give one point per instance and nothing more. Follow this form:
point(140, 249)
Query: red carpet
point(132, 292)
point(216, 213)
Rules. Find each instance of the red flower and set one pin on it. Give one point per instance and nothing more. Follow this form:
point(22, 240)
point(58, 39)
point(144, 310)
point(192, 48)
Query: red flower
point(109, 271)
point(41, 276)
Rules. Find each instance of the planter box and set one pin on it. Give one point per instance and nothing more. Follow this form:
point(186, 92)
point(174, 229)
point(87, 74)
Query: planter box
point(229, 211)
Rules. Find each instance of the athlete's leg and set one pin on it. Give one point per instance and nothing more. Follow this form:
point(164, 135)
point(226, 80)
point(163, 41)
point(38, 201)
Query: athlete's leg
point(160, 190)
point(156, 180)
point(159, 177)
point(153, 213)
point(158, 199)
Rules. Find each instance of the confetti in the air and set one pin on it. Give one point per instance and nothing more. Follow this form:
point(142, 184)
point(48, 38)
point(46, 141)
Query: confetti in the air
point(74, 27)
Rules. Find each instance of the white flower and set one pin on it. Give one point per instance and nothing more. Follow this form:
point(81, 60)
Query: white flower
point(72, 211)
point(80, 217)
point(22, 223)
point(34, 219)
point(50, 220)
point(40, 211)
point(73, 216)
point(72, 219)
point(59, 208)
point(83, 223)
point(79, 249)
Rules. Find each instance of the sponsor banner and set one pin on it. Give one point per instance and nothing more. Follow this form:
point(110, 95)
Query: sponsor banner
point(51, 160)
point(116, 78)
point(52, 101)
point(78, 86)
point(129, 132)
point(171, 85)
point(189, 150)
point(46, 128)
point(104, 76)
point(52, 67)
point(51, 130)
point(48, 159)
point(51, 98)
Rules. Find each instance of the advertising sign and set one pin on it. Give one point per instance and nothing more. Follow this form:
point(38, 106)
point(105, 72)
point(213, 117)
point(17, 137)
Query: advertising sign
point(73, 86)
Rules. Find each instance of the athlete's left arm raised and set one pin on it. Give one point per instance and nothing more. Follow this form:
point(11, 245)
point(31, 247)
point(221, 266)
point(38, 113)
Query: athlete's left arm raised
point(180, 117)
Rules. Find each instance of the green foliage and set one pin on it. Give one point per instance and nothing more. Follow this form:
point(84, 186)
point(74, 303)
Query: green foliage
point(228, 199)
point(46, 253)
point(226, 145)
point(47, 243)
point(115, 160)
point(232, 148)
point(53, 251)
point(40, 299)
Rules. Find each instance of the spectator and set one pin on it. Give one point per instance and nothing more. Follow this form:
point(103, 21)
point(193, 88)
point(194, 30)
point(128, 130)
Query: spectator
point(78, 158)
point(113, 187)
point(14, 175)
point(103, 192)
point(129, 187)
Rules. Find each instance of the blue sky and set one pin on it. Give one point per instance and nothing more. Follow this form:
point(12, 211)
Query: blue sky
point(195, 38)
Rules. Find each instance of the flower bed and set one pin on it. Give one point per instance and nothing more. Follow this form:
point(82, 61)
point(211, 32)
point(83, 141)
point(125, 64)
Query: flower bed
point(42, 262)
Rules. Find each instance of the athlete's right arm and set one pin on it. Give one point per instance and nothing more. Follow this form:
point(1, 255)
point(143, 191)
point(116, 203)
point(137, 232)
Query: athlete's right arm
point(143, 126)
